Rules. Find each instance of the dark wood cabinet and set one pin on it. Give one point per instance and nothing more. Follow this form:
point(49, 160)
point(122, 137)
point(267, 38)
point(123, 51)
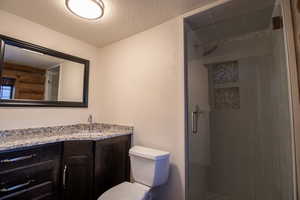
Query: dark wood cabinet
point(72, 170)
point(30, 173)
point(77, 180)
point(112, 164)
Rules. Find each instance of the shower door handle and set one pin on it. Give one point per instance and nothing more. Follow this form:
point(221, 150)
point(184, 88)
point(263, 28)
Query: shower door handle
point(195, 116)
point(195, 122)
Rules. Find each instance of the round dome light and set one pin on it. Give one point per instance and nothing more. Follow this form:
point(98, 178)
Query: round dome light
point(87, 9)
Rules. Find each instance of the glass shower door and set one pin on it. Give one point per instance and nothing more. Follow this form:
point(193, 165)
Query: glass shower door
point(198, 123)
point(239, 118)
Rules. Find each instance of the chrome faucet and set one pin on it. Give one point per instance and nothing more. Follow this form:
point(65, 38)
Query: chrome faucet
point(90, 121)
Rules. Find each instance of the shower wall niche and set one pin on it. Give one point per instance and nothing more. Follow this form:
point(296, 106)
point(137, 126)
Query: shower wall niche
point(224, 82)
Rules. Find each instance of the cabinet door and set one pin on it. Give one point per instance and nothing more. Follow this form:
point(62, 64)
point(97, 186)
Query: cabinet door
point(78, 170)
point(111, 163)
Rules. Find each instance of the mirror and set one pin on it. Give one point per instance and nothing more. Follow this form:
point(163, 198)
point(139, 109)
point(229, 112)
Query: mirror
point(38, 76)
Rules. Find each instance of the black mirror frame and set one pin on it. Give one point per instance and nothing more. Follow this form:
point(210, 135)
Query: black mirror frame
point(35, 103)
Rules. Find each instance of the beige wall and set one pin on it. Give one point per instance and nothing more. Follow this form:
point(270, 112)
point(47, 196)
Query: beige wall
point(22, 29)
point(141, 84)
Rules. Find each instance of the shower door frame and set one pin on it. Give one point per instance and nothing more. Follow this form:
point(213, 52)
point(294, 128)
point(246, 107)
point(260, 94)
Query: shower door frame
point(293, 85)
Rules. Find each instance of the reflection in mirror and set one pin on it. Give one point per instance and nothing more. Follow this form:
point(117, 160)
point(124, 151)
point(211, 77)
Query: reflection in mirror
point(30, 75)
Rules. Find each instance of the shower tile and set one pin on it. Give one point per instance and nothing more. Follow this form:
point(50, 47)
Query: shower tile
point(226, 72)
point(227, 98)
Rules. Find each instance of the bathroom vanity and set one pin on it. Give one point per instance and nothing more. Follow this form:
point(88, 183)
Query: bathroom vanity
point(69, 163)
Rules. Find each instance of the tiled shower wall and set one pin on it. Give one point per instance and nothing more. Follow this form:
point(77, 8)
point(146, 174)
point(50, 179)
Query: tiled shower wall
point(250, 143)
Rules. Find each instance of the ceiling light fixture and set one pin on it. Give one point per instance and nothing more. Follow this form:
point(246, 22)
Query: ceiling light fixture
point(87, 9)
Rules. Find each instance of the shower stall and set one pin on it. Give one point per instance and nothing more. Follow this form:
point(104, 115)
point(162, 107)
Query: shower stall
point(239, 125)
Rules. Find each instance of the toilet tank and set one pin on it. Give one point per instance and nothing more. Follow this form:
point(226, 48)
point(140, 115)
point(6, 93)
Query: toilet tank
point(149, 166)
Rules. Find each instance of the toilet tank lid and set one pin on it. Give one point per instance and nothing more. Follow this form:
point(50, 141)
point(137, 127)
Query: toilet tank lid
point(149, 153)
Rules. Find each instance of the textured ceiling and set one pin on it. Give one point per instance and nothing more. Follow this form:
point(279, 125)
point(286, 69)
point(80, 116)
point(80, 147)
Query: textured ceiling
point(122, 18)
point(232, 19)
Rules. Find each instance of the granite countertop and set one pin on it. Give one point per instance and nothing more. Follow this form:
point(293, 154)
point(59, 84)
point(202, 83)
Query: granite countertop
point(18, 138)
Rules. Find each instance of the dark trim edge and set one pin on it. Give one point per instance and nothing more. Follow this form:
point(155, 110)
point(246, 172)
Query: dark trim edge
point(26, 45)
point(186, 110)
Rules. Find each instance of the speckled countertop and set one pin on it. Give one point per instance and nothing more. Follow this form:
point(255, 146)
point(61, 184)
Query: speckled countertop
point(12, 139)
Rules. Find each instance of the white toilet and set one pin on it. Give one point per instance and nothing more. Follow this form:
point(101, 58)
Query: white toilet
point(150, 168)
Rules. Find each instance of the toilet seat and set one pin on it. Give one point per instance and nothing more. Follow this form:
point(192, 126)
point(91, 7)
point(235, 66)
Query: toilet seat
point(126, 191)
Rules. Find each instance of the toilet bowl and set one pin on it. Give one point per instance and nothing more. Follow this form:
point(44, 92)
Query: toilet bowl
point(150, 168)
point(127, 191)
